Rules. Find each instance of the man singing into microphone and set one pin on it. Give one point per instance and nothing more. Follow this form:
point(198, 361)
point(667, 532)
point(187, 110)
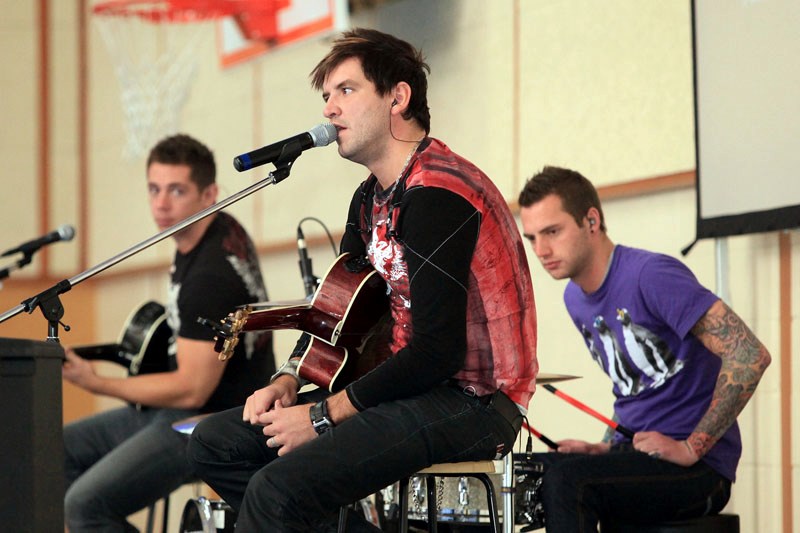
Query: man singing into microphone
point(125, 459)
point(463, 342)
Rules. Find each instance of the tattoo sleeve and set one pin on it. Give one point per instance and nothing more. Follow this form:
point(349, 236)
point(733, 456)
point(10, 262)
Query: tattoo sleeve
point(744, 360)
point(608, 436)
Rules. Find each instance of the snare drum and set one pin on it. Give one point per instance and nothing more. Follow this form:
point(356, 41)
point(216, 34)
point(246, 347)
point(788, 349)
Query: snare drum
point(202, 515)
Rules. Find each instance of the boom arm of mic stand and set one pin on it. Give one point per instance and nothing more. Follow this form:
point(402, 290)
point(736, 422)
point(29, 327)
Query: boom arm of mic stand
point(24, 260)
point(281, 172)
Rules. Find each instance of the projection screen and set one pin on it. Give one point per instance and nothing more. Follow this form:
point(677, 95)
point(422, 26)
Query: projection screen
point(747, 115)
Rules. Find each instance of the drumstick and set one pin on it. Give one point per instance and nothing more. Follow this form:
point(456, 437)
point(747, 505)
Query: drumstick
point(585, 408)
point(549, 443)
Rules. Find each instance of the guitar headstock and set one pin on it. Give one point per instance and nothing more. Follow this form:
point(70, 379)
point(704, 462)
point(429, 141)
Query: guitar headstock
point(233, 324)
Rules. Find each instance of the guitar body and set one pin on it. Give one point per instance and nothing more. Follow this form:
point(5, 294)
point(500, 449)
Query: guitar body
point(143, 344)
point(348, 307)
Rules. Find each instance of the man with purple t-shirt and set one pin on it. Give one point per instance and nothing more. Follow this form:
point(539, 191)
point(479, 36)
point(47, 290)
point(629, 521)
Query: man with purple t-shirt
point(682, 363)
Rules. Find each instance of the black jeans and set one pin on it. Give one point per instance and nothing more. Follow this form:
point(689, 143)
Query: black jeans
point(304, 489)
point(625, 486)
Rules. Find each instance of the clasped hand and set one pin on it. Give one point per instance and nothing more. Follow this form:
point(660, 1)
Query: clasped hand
point(659, 446)
point(286, 425)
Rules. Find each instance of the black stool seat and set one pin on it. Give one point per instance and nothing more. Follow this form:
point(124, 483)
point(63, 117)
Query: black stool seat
point(722, 523)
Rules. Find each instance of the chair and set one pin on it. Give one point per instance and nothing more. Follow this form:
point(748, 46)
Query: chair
point(722, 523)
point(476, 469)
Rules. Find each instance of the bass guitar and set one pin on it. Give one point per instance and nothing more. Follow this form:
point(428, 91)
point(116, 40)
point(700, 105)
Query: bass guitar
point(142, 346)
point(347, 312)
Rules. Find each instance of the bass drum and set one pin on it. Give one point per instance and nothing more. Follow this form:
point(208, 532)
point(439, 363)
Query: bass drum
point(202, 515)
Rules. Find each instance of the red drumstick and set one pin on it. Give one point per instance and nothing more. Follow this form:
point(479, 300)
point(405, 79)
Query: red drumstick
point(585, 408)
point(549, 443)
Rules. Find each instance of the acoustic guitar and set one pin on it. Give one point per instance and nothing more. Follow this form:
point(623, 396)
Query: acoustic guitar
point(142, 346)
point(345, 318)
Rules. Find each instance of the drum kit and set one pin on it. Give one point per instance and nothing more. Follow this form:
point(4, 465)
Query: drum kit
point(461, 501)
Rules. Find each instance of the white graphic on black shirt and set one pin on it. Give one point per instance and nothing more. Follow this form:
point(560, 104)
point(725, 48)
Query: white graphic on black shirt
point(251, 278)
point(173, 317)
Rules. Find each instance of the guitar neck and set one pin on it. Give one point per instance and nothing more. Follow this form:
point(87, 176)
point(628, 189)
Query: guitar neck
point(291, 317)
point(104, 352)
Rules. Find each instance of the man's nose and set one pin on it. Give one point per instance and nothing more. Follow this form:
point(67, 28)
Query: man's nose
point(330, 110)
point(161, 200)
point(541, 249)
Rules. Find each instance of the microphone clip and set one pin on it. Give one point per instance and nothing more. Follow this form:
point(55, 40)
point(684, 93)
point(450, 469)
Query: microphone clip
point(283, 165)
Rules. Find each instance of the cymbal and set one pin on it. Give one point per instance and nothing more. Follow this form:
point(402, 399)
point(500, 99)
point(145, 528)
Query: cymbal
point(543, 378)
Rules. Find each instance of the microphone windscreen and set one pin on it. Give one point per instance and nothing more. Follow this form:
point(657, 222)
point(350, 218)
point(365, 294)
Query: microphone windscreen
point(66, 232)
point(323, 134)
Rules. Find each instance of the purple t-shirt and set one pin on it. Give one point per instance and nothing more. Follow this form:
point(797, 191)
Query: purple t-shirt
point(637, 327)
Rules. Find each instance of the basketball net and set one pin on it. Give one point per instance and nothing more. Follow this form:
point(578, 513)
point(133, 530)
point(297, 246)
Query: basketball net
point(155, 64)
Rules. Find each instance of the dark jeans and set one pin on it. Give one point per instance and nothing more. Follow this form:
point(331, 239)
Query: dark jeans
point(304, 489)
point(119, 462)
point(625, 486)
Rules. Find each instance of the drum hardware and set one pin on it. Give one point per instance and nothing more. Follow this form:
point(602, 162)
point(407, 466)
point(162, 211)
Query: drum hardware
point(458, 500)
point(202, 515)
point(528, 507)
point(417, 495)
point(463, 492)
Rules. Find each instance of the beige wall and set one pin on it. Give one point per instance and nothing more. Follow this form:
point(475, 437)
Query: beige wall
point(604, 87)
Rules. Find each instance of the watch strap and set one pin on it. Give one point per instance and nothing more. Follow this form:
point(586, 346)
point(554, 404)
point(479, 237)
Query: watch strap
point(320, 419)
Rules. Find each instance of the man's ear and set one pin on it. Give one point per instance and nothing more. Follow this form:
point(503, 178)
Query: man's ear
point(401, 94)
point(210, 193)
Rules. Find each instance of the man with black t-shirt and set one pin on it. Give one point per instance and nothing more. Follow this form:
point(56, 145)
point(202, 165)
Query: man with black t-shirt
point(122, 460)
point(463, 343)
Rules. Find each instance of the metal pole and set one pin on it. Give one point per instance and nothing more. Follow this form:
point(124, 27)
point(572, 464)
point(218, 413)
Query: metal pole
point(722, 260)
point(269, 180)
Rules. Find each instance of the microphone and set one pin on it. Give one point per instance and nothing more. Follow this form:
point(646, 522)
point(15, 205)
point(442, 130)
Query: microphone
point(64, 232)
point(309, 279)
point(319, 135)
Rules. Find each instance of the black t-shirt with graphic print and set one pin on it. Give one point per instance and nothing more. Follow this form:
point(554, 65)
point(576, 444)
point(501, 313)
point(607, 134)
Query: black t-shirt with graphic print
point(220, 273)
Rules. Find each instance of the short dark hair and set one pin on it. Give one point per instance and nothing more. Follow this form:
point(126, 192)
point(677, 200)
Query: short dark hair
point(577, 193)
point(386, 61)
point(182, 149)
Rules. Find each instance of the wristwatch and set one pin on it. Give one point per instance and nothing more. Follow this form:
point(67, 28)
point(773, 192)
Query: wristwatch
point(320, 419)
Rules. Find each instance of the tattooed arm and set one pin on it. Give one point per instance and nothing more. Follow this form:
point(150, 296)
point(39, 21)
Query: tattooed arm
point(608, 436)
point(744, 360)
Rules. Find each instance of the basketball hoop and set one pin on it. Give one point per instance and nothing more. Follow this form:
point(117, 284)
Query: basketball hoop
point(155, 63)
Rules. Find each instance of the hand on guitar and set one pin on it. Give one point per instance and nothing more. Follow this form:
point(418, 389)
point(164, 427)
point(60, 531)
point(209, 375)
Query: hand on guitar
point(77, 370)
point(284, 388)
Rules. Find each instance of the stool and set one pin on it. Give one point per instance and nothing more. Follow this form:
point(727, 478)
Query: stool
point(722, 523)
point(476, 469)
point(151, 515)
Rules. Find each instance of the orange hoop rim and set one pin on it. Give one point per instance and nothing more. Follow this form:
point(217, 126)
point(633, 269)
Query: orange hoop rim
point(176, 10)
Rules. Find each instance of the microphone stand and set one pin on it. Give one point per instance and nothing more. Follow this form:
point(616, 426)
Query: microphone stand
point(24, 260)
point(48, 300)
